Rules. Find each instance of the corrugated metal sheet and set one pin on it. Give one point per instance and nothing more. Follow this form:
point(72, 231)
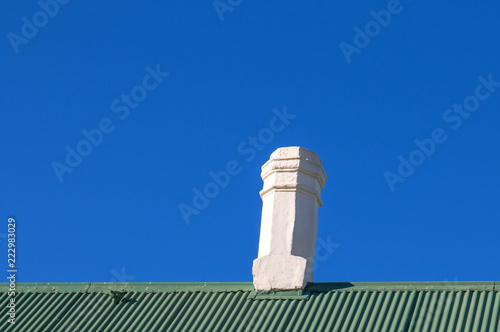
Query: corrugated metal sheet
point(441, 306)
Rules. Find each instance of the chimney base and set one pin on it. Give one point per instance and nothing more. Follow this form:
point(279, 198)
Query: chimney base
point(280, 272)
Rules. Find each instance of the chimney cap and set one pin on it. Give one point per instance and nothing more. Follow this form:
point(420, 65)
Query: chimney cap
point(293, 159)
point(294, 152)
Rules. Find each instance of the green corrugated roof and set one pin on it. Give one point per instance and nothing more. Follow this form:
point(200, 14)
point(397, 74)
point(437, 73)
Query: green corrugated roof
point(402, 306)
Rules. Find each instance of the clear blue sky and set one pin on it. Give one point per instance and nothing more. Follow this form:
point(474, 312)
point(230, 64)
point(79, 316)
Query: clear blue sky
point(113, 112)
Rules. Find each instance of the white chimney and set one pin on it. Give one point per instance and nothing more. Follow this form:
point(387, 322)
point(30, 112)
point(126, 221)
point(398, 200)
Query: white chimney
point(293, 179)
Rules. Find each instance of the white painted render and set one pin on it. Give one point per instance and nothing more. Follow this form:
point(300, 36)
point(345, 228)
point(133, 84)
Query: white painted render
point(293, 179)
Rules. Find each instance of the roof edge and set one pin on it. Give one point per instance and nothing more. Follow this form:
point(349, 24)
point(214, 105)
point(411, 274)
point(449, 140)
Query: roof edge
point(158, 287)
point(402, 286)
point(147, 287)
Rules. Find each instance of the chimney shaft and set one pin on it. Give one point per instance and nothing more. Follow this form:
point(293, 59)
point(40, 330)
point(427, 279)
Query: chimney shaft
point(293, 179)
